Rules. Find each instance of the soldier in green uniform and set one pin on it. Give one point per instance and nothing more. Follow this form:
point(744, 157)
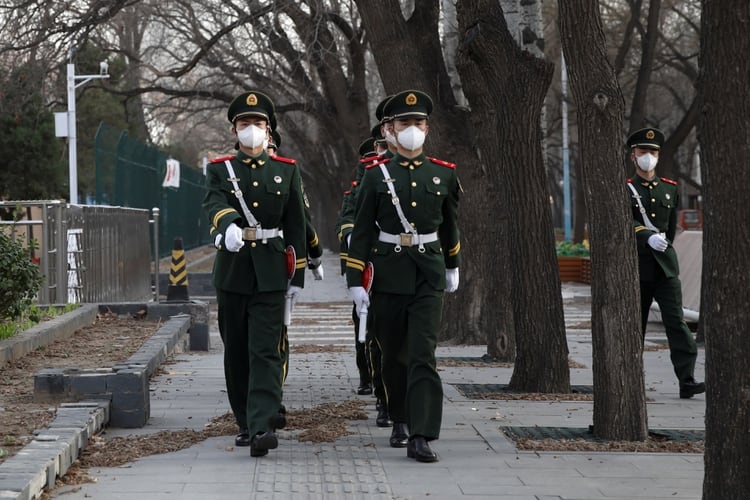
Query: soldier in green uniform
point(406, 223)
point(655, 201)
point(255, 204)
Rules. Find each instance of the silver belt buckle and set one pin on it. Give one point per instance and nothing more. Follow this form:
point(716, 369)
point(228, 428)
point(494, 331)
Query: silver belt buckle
point(249, 234)
point(407, 239)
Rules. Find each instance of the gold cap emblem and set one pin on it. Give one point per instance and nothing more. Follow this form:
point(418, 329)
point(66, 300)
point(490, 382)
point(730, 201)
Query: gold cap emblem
point(252, 100)
point(411, 99)
point(650, 134)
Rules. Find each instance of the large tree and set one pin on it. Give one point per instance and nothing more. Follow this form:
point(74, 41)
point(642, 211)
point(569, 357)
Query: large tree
point(724, 135)
point(619, 391)
point(506, 113)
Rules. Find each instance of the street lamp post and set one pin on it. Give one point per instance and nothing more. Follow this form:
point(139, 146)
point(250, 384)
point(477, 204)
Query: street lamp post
point(71, 132)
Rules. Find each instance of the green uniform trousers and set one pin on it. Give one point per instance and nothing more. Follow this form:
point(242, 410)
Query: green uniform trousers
point(682, 348)
point(406, 327)
point(368, 355)
point(251, 327)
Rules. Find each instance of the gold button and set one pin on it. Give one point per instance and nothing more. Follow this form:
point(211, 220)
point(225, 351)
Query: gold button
point(255, 204)
point(438, 193)
point(413, 203)
point(411, 167)
point(413, 184)
point(278, 192)
point(653, 200)
point(253, 244)
point(255, 183)
point(653, 215)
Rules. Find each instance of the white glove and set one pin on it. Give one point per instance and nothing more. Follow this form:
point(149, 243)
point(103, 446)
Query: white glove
point(217, 241)
point(658, 242)
point(360, 298)
point(233, 238)
point(292, 293)
point(318, 272)
point(451, 280)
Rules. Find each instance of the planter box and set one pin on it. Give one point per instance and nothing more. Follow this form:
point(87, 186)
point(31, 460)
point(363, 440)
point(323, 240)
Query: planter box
point(586, 270)
point(570, 269)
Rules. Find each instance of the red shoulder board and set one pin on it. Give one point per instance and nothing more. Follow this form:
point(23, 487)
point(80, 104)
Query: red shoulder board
point(377, 163)
point(630, 180)
point(284, 159)
point(222, 159)
point(355, 183)
point(668, 181)
point(442, 162)
point(368, 159)
point(347, 192)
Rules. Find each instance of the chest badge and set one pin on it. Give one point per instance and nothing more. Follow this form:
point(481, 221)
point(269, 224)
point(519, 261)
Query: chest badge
point(277, 179)
point(436, 180)
point(667, 196)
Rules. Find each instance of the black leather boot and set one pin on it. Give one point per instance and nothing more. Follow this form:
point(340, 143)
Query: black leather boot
point(399, 435)
point(690, 388)
point(419, 449)
point(382, 420)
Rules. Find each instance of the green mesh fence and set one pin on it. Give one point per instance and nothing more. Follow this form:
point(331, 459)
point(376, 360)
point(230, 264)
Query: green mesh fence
point(129, 173)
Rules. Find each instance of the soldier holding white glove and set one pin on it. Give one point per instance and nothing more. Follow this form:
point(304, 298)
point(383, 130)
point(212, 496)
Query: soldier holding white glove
point(360, 298)
point(451, 280)
point(658, 242)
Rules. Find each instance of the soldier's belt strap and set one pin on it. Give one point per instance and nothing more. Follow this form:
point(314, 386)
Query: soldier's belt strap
point(407, 239)
point(257, 233)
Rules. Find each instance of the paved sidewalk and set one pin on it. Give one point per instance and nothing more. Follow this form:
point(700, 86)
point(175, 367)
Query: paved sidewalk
point(476, 460)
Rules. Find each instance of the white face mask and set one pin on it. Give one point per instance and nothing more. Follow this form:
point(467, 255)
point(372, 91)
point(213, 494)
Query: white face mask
point(647, 162)
point(252, 136)
point(411, 138)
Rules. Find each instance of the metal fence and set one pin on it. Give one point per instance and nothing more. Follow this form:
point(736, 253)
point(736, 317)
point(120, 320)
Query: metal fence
point(85, 253)
point(129, 173)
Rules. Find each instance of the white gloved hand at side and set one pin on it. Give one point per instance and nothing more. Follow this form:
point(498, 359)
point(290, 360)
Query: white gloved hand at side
point(360, 298)
point(292, 293)
point(217, 241)
point(658, 242)
point(233, 238)
point(318, 273)
point(451, 280)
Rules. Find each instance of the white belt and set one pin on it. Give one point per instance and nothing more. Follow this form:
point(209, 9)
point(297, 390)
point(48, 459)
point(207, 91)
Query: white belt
point(256, 233)
point(407, 239)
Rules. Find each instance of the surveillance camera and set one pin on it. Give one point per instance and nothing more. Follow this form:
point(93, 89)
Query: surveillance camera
point(103, 68)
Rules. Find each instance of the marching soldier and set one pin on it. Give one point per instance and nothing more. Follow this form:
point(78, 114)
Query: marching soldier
point(255, 204)
point(406, 222)
point(655, 201)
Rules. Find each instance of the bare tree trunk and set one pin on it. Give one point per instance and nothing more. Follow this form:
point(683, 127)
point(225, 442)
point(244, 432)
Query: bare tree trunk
point(619, 397)
point(723, 135)
point(507, 109)
point(649, 38)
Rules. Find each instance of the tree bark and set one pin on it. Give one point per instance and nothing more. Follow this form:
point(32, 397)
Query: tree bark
point(619, 397)
point(506, 108)
point(723, 136)
point(649, 38)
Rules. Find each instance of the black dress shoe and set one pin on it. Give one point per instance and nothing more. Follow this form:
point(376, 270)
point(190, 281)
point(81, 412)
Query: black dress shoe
point(691, 388)
point(364, 388)
point(278, 421)
point(399, 435)
point(382, 420)
point(419, 449)
point(243, 438)
point(262, 442)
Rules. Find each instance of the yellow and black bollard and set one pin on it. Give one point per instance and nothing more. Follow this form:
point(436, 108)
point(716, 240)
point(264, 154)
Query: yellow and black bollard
point(177, 291)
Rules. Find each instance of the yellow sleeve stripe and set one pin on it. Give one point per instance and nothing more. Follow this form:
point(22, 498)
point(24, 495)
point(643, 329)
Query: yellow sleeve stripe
point(222, 213)
point(638, 229)
point(343, 255)
point(301, 260)
point(314, 241)
point(348, 224)
point(355, 263)
point(454, 251)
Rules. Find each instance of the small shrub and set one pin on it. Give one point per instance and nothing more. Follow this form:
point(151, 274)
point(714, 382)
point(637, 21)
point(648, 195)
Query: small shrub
point(570, 249)
point(20, 278)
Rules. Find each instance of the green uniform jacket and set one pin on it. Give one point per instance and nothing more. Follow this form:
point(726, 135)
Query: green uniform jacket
point(272, 190)
point(661, 199)
point(345, 224)
point(428, 192)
